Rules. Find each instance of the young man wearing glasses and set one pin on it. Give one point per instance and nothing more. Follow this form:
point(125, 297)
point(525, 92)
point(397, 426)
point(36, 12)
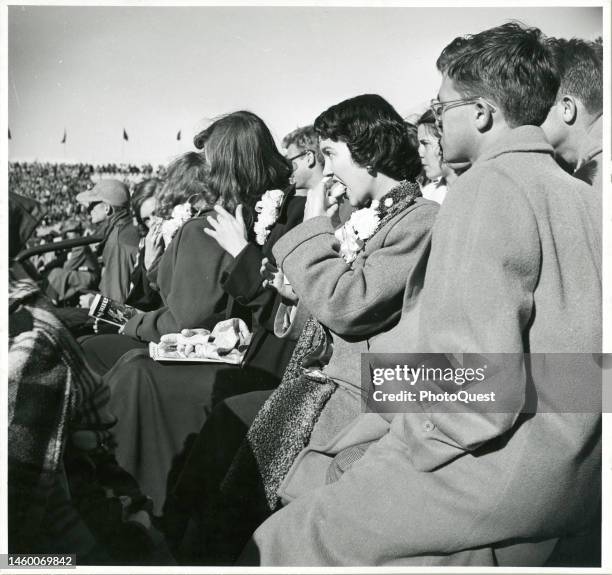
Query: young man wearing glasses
point(515, 268)
point(303, 152)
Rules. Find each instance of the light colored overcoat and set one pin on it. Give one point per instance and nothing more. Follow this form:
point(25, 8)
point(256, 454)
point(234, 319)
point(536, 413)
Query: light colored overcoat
point(515, 266)
point(358, 301)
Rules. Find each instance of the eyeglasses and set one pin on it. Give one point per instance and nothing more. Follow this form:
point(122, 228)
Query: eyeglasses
point(438, 108)
point(301, 154)
point(91, 206)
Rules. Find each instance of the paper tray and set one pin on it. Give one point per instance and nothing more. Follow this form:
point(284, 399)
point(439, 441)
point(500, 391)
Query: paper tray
point(232, 360)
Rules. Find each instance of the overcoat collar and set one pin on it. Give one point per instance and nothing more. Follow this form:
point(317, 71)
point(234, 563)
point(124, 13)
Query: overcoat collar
point(521, 139)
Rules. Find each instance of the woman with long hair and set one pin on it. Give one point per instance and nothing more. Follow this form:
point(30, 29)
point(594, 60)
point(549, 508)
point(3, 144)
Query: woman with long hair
point(144, 207)
point(159, 405)
point(143, 203)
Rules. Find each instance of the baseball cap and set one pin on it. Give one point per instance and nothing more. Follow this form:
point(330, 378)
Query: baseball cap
point(113, 192)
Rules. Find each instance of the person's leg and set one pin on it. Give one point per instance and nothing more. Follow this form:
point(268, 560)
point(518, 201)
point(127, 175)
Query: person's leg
point(160, 408)
point(197, 495)
point(384, 512)
point(104, 350)
point(75, 319)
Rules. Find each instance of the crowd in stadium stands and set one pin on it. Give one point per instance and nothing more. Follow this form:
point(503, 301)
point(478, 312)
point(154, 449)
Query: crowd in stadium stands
point(219, 418)
point(55, 187)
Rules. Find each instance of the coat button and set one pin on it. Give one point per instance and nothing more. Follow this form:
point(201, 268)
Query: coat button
point(428, 426)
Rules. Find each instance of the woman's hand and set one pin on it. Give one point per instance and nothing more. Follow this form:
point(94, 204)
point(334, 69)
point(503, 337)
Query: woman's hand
point(228, 231)
point(154, 243)
point(275, 279)
point(322, 200)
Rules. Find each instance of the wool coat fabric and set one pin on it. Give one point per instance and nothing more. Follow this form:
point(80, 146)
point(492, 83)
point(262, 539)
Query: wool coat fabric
point(363, 299)
point(189, 280)
point(515, 266)
point(119, 257)
point(192, 265)
point(143, 293)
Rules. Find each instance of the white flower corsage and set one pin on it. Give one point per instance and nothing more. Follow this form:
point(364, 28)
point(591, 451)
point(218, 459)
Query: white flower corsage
point(180, 214)
point(268, 209)
point(353, 234)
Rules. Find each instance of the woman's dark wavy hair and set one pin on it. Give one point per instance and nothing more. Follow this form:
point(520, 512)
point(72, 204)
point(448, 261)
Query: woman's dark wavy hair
point(144, 190)
point(243, 158)
point(186, 180)
point(509, 65)
point(376, 135)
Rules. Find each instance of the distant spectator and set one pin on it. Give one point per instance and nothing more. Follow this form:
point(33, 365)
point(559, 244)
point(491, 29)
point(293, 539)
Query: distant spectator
point(75, 272)
point(302, 150)
point(144, 201)
point(107, 204)
point(438, 174)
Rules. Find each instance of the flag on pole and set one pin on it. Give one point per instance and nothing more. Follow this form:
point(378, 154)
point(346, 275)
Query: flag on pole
point(64, 138)
point(9, 133)
point(125, 136)
point(178, 135)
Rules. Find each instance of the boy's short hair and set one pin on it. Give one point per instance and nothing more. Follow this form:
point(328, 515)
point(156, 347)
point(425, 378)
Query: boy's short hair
point(511, 65)
point(375, 134)
point(580, 66)
point(305, 138)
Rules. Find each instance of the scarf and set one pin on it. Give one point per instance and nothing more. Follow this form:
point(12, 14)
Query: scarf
point(64, 483)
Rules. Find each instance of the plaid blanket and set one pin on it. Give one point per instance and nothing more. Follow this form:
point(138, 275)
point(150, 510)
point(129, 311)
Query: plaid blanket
point(66, 492)
point(49, 387)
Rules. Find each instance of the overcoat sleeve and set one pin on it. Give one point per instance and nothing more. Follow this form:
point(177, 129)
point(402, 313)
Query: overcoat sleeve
point(478, 298)
point(142, 295)
point(189, 278)
point(244, 281)
point(119, 259)
point(355, 301)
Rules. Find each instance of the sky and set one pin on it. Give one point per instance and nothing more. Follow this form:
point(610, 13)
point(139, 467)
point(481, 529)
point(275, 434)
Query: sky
point(94, 71)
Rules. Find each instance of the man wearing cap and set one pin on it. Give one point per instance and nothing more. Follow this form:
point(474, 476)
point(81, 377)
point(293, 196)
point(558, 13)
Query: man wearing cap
point(107, 203)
